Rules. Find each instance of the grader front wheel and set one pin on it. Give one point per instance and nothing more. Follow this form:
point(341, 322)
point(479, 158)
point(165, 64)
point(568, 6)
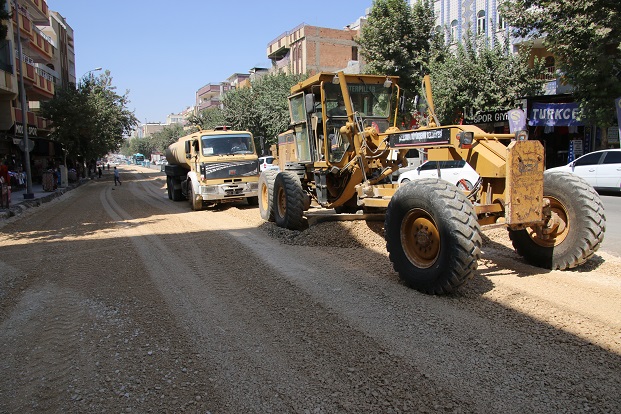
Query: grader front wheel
point(432, 236)
point(573, 230)
point(266, 194)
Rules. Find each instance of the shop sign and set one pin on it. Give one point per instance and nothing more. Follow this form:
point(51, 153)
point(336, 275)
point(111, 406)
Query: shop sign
point(19, 129)
point(486, 117)
point(517, 120)
point(613, 135)
point(554, 114)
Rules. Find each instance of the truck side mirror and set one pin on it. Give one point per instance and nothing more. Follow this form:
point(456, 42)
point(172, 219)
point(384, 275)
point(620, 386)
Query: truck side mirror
point(188, 149)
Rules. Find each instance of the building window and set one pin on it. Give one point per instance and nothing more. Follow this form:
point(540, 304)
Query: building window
point(354, 53)
point(550, 65)
point(502, 23)
point(454, 31)
point(481, 22)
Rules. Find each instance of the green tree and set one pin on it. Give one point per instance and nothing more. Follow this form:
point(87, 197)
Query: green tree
point(4, 17)
point(261, 108)
point(160, 140)
point(208, 118)
point(477, 75)
point(585, 38)
point(91, 119)
point(396, 40)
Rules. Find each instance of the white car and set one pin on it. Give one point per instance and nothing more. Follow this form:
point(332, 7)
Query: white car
point(458, 172)
point(601, 169)
point(265, 163)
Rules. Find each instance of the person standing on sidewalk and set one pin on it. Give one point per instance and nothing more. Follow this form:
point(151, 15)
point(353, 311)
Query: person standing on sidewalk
point(116, 177)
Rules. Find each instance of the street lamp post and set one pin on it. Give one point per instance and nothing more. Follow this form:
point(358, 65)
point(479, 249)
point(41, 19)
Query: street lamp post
point(22, 91)
point(90, 71)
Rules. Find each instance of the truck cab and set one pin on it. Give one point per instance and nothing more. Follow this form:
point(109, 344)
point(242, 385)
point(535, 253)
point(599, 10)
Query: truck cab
point(213, 166)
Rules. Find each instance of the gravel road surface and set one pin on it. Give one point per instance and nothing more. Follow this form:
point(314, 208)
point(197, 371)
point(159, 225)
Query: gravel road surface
point(116, 299)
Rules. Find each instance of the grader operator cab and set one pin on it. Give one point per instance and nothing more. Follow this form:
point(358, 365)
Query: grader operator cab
point(336, 156)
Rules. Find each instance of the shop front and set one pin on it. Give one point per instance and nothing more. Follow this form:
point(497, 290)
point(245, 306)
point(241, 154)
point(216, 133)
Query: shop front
point(46, 156)
point(557, 125)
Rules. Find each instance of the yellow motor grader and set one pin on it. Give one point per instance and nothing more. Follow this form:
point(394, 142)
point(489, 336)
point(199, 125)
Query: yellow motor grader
point(339, 153)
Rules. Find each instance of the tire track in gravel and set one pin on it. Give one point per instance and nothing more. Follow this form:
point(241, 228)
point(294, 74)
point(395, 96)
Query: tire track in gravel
point(266, 340)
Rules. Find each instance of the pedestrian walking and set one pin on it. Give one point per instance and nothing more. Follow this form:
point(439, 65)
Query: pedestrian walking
point(116, 177)
point(99, 171)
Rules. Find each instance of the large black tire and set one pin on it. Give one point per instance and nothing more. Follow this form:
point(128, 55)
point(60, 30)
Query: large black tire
point(289, 201)
point(176, 194)
point(169, 188)
point(578, 229)
point(432, 236)
point(194, 203)
point(266, 194)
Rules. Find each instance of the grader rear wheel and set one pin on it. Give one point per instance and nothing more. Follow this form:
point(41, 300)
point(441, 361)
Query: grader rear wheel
point(289, 199)
point(574, 230)
point(432, 236)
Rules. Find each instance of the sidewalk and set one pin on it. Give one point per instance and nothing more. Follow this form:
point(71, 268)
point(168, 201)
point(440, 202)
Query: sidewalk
point(18, 204)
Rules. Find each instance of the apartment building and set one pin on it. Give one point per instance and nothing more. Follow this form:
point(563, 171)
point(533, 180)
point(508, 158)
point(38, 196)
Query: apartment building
point(309, 49)
point(47, 62)
point(210, 95)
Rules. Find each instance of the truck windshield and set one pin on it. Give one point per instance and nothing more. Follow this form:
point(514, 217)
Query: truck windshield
point(227, 144)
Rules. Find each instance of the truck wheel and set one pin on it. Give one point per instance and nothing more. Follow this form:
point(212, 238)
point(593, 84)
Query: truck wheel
point(432, 236)
point(266, 194)
point(169, 188)
point(177, 195)
point(288, 203)
point(575, 231)
point(197, 205)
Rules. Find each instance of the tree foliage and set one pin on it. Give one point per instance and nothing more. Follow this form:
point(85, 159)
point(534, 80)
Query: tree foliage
point(91, 119)
point(396, 40)
point(208, 118)
point(261, 108)
point(585, 38)
point(4, 17)
point(483, 77)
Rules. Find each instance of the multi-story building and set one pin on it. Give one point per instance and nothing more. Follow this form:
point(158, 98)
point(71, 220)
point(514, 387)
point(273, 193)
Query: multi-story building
point(46, 62)
point(310, 49)
point(210, 95)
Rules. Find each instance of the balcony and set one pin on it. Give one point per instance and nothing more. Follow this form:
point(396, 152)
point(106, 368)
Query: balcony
point(42, 44)
point(39, 12)
point(33, 120)
point(25, 25)
point(39, 84)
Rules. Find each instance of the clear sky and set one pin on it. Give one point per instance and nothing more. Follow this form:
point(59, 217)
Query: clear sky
point(164, 51)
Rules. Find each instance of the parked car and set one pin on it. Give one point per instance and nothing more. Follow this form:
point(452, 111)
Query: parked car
point(458, 172)
point(265, 163)
point(601, 169)
point(414, 160)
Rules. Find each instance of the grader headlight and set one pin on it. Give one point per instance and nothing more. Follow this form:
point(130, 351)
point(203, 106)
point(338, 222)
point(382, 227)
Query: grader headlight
point(465, 139)
point(521, 135)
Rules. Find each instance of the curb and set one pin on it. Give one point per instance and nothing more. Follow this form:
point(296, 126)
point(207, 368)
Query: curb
point(24, 205)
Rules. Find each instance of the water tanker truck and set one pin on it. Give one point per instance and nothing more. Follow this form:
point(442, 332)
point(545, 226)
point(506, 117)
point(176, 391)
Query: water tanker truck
point(210, 167)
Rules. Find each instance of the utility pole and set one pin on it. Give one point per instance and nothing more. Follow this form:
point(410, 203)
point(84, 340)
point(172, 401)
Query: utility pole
point(22, 92)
